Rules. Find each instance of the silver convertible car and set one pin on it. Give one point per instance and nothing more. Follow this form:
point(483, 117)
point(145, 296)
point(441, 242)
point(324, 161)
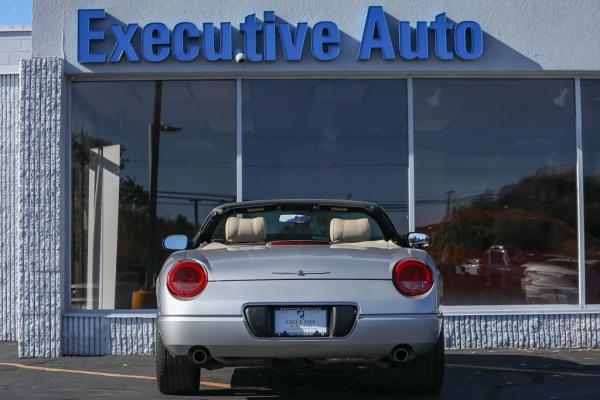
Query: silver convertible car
point(299, 281)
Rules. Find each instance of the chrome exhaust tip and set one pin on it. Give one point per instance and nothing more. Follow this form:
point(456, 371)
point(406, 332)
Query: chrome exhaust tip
point(401, 353)
point(200, 356)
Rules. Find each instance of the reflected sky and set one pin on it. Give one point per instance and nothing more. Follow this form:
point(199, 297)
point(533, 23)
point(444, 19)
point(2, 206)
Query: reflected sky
point(478, 135)
point(196, 162)
point(344, 139)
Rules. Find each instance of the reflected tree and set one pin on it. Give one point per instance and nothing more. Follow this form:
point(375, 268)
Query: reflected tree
point(535, 218)
point(133, 216)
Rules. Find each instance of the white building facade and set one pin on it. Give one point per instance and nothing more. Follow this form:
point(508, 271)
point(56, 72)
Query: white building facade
point(477, 122)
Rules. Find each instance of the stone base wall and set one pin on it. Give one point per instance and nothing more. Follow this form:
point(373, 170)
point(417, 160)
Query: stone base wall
point(522, 331)
point(106, 335)
point(87, 336)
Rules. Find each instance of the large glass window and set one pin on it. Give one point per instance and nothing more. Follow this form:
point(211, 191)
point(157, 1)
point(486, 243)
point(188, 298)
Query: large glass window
point(494, 174)
point(149, 159)
point(495, 187)
point(342, 139)
point(590, 104)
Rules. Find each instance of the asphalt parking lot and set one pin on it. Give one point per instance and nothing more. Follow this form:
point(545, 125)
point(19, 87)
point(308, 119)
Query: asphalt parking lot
point(483, 374)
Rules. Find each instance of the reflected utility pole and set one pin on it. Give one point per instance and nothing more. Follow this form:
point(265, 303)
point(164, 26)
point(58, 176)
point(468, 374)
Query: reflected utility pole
point(153, 143)
point(154, 131)
point(449, 195)
point(195, 201)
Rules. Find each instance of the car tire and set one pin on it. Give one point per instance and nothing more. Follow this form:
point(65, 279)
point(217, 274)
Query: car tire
point(424, 374)
point(175, 375)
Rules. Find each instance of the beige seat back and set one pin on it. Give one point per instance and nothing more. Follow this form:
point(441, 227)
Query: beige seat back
point(349, 230)
point(245, 230)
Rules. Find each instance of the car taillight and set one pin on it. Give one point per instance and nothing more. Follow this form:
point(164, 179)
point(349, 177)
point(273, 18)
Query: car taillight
point(412, 277)
point(187, 278)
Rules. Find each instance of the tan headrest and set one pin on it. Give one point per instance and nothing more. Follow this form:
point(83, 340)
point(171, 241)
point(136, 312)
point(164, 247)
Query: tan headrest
point(245, 230)
point(349, 230)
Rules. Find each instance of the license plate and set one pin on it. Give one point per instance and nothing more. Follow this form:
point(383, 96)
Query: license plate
point(300, 321)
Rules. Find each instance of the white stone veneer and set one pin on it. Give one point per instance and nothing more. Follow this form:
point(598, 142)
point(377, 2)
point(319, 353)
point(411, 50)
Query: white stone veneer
point(9, 180)
point(41, 224)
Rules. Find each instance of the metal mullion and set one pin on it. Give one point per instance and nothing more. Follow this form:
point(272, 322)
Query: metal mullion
point(238, 131)
point(580, 204)
point(411, 156)
point(68, 197)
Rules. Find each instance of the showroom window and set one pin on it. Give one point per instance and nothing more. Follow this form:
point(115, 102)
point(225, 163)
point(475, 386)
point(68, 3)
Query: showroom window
point(495, 187)
point(149, 158)
point(327, 138)
point(590, 112)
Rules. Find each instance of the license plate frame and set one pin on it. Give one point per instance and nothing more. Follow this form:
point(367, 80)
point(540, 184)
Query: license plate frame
point(316, 321)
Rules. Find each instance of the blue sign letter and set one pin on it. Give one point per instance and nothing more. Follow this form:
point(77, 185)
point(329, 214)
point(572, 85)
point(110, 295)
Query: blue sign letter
point(441, 25)
point(325, 41)
point(460, 40)
point(421, 50)
point(155, 42)
point(269, 44)
point(376, 25)
point(85, 36)
point(292, 47)
point(225, 51)
point(123, 43)
point(183, 51)
point(249, 29)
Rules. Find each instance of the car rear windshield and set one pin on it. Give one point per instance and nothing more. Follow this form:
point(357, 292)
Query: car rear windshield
point(310, 225)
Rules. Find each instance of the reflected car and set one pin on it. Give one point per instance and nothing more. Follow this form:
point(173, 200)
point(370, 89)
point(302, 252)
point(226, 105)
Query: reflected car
point(592, 284)
point(471, 266)
point(299, 282)
point(553, 279)
point(506, 241)
point(500, 270)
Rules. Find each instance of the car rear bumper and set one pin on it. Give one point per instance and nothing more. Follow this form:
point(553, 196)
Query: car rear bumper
point(229, 337)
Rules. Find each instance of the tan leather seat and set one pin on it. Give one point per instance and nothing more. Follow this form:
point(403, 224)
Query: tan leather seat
point(245, 230)
point(349, 230)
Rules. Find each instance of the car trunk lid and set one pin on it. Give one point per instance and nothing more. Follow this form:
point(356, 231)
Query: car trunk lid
point(263, 262)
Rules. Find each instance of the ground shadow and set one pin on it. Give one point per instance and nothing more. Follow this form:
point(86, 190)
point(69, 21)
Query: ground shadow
point(489, 376)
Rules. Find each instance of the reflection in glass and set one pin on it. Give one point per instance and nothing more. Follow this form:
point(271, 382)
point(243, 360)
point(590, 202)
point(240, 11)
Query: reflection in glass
point(495, 188)
point(189, 128)
point(342, 139)
point(418, 240)
point(590, 112)
point(176, 242)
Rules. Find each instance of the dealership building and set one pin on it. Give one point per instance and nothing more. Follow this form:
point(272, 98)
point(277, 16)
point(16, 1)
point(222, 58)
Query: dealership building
point(477, 122)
